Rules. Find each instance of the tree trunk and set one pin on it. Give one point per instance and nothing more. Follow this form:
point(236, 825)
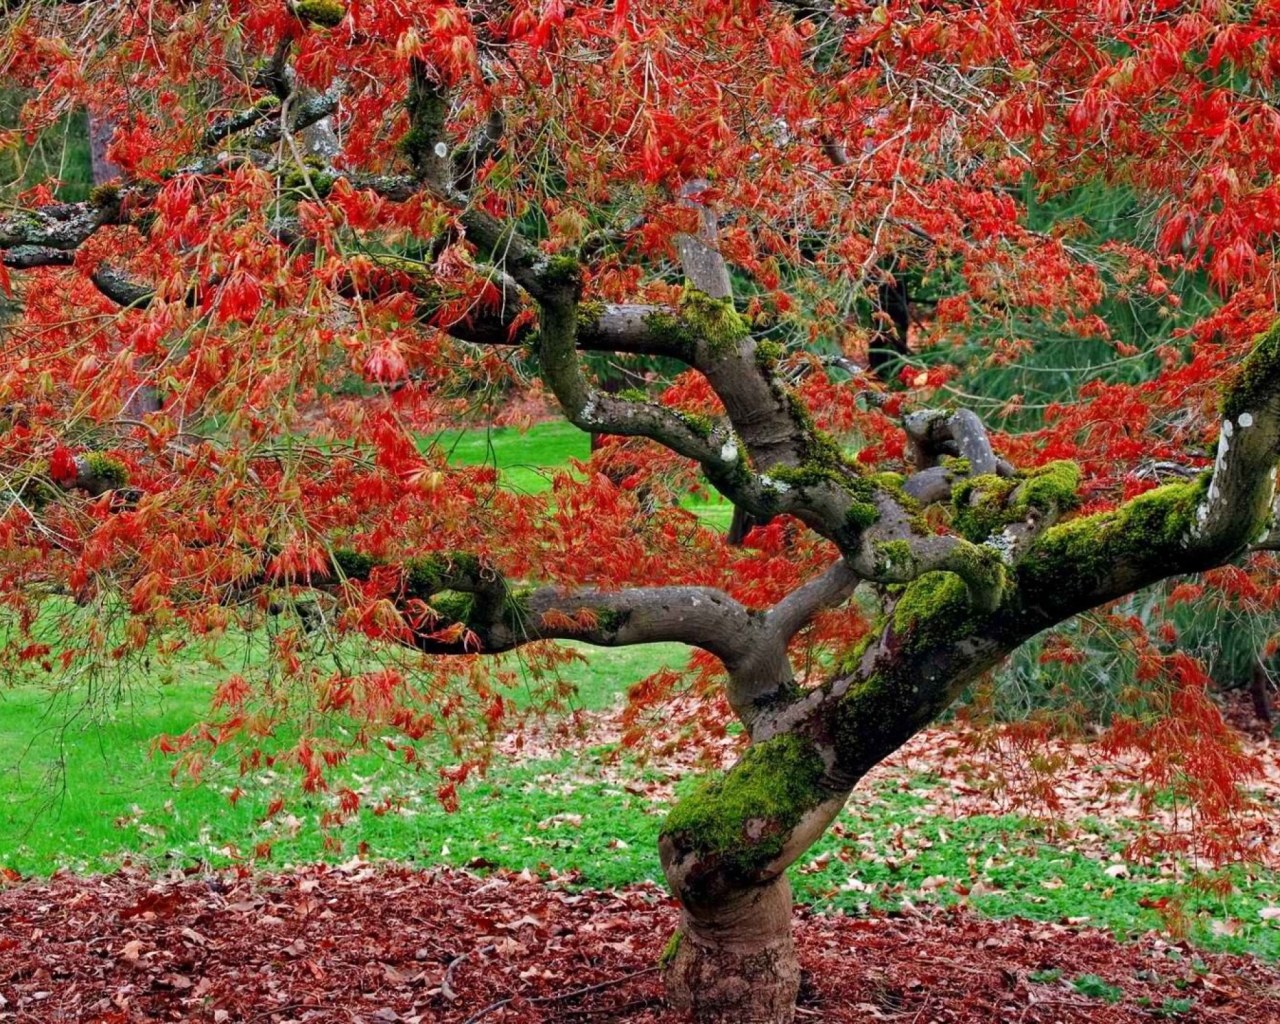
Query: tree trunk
point(736, 962)
point(889, 341)
point(1259, 685)
point(101, 130)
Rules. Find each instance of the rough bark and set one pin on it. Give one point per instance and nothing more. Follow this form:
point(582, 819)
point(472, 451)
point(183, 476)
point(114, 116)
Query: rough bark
point(1260, 692)
point(101, 130)
point(738, 964)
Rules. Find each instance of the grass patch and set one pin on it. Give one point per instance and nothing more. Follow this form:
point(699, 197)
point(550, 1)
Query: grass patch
point(526, 461)
point(584, 814)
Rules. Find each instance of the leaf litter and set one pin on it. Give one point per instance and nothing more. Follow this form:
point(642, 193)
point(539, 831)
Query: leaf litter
point(357, 943)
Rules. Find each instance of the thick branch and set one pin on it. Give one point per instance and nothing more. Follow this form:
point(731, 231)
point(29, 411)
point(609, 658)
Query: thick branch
point(701, 261)
point(28, 257)
point(62, 226)
point(304, 112)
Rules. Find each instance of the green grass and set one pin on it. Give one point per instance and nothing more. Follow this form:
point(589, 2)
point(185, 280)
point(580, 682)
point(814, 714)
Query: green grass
point(89, 796)
point(80, 786)
point(526, 460)
point(60, 153)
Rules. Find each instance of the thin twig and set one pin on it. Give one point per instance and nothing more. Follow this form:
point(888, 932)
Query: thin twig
point(560, 998)
point(446, 986)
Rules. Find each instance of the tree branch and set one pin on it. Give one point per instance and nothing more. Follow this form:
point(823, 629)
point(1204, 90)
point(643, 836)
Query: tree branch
point(63, 226)
point(795, 610)
point(499, 618)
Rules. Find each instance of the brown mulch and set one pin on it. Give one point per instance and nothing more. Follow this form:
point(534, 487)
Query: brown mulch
point(355, 943)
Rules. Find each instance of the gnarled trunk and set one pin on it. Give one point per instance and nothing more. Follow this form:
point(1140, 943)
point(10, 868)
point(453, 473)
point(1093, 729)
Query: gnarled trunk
point(736, 962)
point(725, 849)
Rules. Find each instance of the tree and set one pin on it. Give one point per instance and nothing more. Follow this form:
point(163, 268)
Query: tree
point(413, 190)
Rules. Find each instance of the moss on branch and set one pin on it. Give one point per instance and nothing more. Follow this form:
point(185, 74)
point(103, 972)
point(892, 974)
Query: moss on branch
point(325, 13)
point(699, 318)
point(933, 610)
point(1257, 381)
point(105, 471)
point(430, 574)
point(1143, 534)
point(984, 505)
point(715, 320)
point(769, 354)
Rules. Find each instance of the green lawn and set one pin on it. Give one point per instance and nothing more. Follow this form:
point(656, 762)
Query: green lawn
point(90, 795)
point(527, 459)
point(80, 788)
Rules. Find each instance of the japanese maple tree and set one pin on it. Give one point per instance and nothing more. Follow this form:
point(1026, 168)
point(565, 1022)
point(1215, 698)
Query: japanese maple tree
point(449, 198)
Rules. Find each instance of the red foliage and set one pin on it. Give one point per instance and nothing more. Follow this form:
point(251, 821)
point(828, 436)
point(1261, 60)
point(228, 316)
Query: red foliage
point(256, 465)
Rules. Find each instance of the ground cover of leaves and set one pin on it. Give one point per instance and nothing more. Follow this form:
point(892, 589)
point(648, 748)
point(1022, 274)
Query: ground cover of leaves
point(384, 944)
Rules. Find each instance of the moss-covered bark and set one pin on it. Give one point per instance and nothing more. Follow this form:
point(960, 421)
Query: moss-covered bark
point(732, 827)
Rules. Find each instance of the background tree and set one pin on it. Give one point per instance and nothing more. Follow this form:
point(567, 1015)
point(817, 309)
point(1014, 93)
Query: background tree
point(414, 190)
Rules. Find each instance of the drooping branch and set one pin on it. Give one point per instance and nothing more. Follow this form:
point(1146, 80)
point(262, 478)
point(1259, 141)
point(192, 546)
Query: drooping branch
point(497, 617)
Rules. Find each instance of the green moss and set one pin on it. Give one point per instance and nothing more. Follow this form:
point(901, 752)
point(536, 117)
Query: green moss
point(424, 577)
point(452, 606)
point(428, 108)
point(887, 480)
point(354, 565)
point(321, 182)
point(851, 658)
point(894, 555)
point(934, 609)
point(326, 13)
point(106, 469)
point(876, 715)
point(589, 314)
point(633, 395)
point(1257, 381)
point(806, 475)
point(429, 574)
point(1075, 556)
point(744, 817)
point(769, 354)
point(671, 949)
point(268, 103)
point(893, 483)
point(861, 516)
point(981, 505)
point(863, 512)
point(982, 570)
point(714, 320)
point(1051, 487)
point(103, 196)
point(978, 506)
point(562, 271)
point(673, 331)
point(698, 423)
point(957, 465)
